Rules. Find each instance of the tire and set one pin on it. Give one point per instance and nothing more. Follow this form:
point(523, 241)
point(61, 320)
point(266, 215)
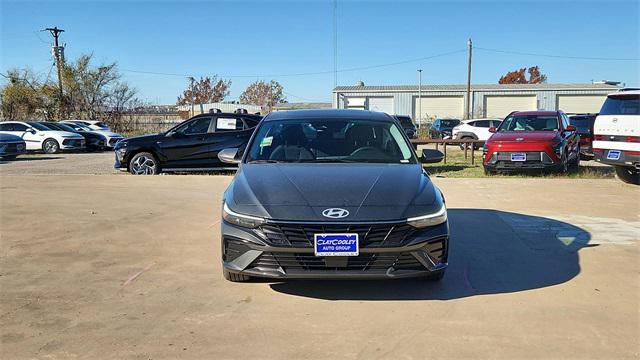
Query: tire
point(563, 167)
point(488, 172)
point(628, 175)
point(435, 276)
point(9, 157)
point(144, 163)
point(50, 146)
point(575, 164)
point(233, 277)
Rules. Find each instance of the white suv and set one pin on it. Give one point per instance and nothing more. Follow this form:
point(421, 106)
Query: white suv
point(616, 134)
point(476, 129)
point(40, 137)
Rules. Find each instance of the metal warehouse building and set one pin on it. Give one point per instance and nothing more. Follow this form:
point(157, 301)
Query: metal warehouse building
point(489, 100)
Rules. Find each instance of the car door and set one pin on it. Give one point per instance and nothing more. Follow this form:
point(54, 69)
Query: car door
point(482, 129)
point(32, 139)
point(230, 131)
point(188, 145)
point(570, 136)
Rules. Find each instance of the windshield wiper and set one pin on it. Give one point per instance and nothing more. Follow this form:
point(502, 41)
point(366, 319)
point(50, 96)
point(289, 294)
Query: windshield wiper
point(264, 161)
point(327, 161)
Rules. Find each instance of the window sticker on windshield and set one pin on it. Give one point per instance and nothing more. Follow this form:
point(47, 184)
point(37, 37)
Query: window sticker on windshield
point(266, 141)
point(226, 123)
point(404, 161)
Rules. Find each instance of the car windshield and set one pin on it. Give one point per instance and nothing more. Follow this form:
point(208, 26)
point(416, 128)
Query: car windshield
point(582, 123)
point(37, 126)
point(60, 126)
point(530, 123)
point(102, 125)
point(449, 123)
point(621, 105)
point(329, 141)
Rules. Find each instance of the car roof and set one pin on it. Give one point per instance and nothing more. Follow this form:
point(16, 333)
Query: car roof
point(625, 92)
point(537, 112)
point(328, 114)
point(470, 120)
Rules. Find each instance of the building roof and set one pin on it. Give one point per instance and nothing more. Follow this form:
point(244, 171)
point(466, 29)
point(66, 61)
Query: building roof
point(327, 114)
point(475, 87)
point(303, 105)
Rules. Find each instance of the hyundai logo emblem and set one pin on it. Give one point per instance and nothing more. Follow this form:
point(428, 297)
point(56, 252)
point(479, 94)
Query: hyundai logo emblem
point(335, 213)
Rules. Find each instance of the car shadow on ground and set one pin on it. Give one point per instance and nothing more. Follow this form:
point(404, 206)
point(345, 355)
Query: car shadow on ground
point(492, 252)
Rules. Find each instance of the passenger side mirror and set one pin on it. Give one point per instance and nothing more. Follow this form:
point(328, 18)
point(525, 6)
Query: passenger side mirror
point(31, 130)
point(493, 129)
point(229, 156)
point(431, 156)
point(570, 128)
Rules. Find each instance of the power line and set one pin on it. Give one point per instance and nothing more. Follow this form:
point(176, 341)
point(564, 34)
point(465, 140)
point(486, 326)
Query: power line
point(306, 73)
point(556, 56)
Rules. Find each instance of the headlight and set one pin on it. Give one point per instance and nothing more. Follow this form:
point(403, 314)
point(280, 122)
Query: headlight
point(240, 220)
point(429, 220)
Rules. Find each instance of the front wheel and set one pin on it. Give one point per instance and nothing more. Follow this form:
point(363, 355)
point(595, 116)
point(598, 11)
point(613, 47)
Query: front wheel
point(50, 146)
point(563, 167)
point(144, 163)
point(628, 174)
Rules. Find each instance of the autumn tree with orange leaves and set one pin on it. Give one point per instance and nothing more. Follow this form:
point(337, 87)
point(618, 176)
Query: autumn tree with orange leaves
point(519, 76)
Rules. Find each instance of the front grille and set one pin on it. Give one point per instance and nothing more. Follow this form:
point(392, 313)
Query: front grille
point(363, 262)
point(369, 235)
point(11, 148)
point(535, 159)
point(73, 142)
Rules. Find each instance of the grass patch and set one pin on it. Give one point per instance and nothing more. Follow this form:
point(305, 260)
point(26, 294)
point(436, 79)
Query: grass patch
point(459, 167)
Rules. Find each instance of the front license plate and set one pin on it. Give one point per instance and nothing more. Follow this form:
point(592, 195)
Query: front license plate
point(613, 155)
point(336, 244)
point(518, 157)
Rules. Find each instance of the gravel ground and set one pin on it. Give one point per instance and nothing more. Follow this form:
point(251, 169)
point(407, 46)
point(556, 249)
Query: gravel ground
point(60, 164)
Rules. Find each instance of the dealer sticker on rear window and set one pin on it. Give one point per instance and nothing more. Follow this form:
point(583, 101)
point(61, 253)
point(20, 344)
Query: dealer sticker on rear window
point(336, 244)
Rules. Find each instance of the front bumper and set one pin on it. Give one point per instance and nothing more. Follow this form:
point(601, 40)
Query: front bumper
point(535, 160)
point(73, 144)
point(120, 163)
point(13, 148)
point(404, 254)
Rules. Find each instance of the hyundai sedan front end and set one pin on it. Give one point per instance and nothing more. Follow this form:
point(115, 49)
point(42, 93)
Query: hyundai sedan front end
point(332, 194)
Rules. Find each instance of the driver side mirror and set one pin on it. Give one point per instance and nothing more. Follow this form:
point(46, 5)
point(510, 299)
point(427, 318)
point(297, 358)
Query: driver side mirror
point(431, 156)
point(229, 156)
point(570, 128)
point(493, 129)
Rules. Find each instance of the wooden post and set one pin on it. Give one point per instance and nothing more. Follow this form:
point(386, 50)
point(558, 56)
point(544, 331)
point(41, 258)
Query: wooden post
point(465, 150)
point(444, 145)
point(473, 147)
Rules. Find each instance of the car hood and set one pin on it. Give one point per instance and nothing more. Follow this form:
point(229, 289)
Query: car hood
point(525, 136)
point(300, 192)
point(143, 138)
point(10, 138)
point(106, 133)
point(65, 134)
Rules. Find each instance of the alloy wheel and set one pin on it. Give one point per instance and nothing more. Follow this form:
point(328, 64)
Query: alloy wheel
point(143, 165)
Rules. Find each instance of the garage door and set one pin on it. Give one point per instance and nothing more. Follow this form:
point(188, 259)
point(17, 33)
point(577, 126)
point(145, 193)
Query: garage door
point(354, 103)
point(440, 107)
point(580, 103)
point(500, 106)
point(381, 104)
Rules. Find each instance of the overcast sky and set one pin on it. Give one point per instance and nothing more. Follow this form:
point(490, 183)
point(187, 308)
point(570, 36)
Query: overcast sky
point(245, 41)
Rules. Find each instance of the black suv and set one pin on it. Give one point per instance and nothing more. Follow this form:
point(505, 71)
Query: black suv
point(442, 128)
point(408, 126)
point(190, 146)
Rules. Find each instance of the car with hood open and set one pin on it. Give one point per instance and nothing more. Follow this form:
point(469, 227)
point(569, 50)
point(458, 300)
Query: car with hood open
point(332, 194)
point(532, 140)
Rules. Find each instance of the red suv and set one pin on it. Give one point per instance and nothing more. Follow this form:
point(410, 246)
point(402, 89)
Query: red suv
point(532, 140)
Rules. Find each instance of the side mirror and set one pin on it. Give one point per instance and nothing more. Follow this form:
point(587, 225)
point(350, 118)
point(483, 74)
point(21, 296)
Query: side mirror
point(493, 129)
point(431, 156)
point(571, 128)
point(229, 156)
point(31, 130)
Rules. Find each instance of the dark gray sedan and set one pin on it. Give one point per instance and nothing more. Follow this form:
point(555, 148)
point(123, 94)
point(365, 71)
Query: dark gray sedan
point(11, 146)
point(332, 194)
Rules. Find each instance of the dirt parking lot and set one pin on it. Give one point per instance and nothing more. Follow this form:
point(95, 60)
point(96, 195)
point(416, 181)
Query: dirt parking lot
point(117, 266)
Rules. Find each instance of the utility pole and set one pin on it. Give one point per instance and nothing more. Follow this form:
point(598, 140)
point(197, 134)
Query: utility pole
point(469, 110)
point(419, 119)
point(58, 53)
point(335, 43)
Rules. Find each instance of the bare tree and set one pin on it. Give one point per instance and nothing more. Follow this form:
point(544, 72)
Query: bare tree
point(263, 94)
point(204, 91)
